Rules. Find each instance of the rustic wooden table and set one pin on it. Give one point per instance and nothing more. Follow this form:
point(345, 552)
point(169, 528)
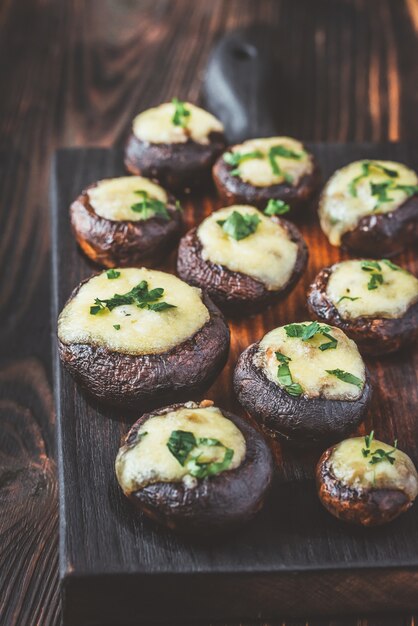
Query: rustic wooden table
point(75, 73)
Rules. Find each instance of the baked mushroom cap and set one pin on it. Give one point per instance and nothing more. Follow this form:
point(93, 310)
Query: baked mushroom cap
point(374, 302)
point(142, 338)
point(305, 383)
point(125, 221)
point(259, 170)
point(176, 143)
point(365, 481)
point(189, 467)
point(371, 208)
point(242, 258)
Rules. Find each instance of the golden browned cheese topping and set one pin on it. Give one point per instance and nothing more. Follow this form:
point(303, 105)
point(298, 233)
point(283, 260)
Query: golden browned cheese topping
point(267, 255)
point(303, 366)
point(117, 198)
point(359, 469)
point(131, 328)
point(375, 289)
point(149, 459)
point(363, 188)
point(272, 161)
point(156, 125)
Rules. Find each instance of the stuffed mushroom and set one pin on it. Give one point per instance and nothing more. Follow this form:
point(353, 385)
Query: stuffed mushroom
point(177, 143)
point(189, 467)
point(371, 208)
point(305, 383)
point(242, 258)
point(140, 338)
point(374, 302)
point(365, 481)
point(259, 170)
point(126, 221)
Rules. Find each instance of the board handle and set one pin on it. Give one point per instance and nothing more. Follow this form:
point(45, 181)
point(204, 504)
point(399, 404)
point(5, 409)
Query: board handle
point(240, 84)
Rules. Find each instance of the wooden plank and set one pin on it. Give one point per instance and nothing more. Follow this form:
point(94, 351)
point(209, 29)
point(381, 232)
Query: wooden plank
point(294, 554)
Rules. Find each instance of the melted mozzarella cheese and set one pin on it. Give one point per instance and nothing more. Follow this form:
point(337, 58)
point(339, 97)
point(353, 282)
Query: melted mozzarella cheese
point(113, 198)
point(308, 364)
point(353, 469)
point(156, 125)
point(340, 211)
point(267, 255)
point(141, 331)
point(391, 299)
point(148, 460)
point(258, 171)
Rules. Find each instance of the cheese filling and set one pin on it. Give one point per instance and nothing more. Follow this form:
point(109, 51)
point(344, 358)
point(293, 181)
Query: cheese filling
point(356, 293)
point(352, 468)
point(350, 195)
point(156, 125)
point(259, 171)
point(149, 460)
point(130, 329)
point(309, 366)
point(267, 255)
point(114, 198)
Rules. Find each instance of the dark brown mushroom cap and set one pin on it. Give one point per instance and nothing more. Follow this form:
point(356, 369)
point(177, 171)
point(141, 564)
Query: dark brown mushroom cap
point(368, 507)
point(218, 503)
point(123, 243)
point(234, 292)
point(233, 190)
point(372, 335)
point(177, 166)
point(300, 420)
point(149, 380)
point(385, 234)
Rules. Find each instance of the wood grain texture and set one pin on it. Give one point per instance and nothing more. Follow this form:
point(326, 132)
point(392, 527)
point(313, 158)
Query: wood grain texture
point(294, 555)
point(74, 73)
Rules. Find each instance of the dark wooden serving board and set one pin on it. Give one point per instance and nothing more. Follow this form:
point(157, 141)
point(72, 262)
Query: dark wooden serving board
point(294, 558)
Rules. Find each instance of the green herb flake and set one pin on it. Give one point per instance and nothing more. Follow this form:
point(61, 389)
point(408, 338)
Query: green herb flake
point(410, 190)
point(112, 274)
point(348, 298)
point(376, 276)
point(150, 207)
point(180, 444)
point(116, 326)
point(346, 377)
point(308, 331)
point(236, 158)
point(181, 113)
point(379, 455)
point(285, 377)
point(366, 166)
point(276, 207)
point(281, 151)
point(140, 295)
point(184, 446)
point(239, 226)
point(380, 190)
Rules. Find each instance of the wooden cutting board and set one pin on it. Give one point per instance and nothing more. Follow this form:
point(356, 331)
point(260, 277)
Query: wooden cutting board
point(294, 558)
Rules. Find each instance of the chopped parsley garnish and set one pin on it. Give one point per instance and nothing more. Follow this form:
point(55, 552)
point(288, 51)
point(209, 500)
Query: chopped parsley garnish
point(307, 331)
point(348, 298)
point(181, 114)
point(366, 166)
point(111, 274)
point(184, 446)
point(239, 226)
point(149, 207)
point(376, 276)
point(236, 158)
point(410, 190)
point(378, 455)
point(393, 266)
point(276, 207)
point(380, 190)
point(346, 377)
point(286, 153)
point(140, 295)
point(285, 377)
